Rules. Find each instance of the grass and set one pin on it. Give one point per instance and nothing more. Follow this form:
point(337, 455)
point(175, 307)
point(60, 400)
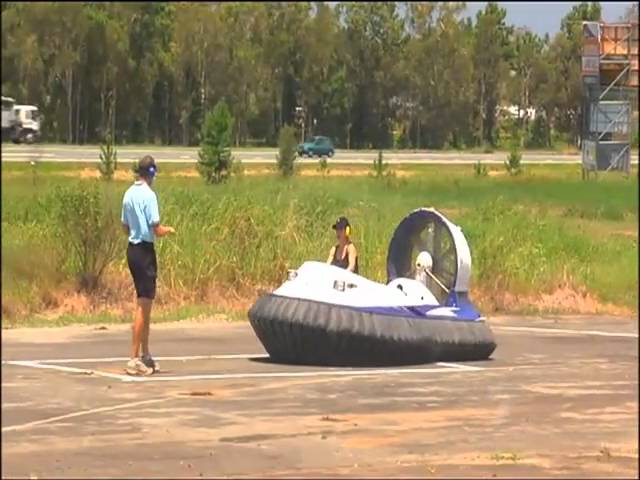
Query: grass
point(175, 314)
point(528, 234)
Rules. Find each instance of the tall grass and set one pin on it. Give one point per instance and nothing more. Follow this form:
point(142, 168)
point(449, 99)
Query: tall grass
point(243, 235)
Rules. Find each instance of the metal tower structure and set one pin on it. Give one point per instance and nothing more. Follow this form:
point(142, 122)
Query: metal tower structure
point(610, 86)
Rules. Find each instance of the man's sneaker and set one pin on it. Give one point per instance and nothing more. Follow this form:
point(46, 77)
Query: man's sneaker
point(136, 367)
point(150, 362)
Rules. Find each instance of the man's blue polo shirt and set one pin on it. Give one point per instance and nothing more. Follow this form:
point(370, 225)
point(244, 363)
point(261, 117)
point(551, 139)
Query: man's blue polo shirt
point(140, 212)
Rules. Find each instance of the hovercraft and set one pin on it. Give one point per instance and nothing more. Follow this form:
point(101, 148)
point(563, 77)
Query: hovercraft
point(325, 315)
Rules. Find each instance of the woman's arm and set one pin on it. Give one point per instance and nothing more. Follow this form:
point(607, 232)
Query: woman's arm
point(332, 252)
point(353, 254)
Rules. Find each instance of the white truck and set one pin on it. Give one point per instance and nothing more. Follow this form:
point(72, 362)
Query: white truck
point(20, 123)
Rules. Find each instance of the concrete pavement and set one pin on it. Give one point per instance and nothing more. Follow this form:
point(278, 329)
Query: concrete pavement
point(559, 398)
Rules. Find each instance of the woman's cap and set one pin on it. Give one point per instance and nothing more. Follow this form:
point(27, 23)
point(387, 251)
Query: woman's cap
point(341, 224)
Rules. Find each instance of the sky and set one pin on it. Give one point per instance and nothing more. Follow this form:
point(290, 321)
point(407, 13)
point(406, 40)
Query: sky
point(545, 17)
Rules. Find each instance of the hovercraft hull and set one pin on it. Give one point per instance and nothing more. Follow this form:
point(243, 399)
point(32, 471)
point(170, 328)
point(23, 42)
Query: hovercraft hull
point(302, 331)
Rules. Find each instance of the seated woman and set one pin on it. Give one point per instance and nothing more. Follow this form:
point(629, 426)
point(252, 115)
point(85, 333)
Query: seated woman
point(344, 253)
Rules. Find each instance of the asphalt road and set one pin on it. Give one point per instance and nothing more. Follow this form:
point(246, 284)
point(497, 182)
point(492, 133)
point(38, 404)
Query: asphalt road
point(558, 399)
point(63, 153)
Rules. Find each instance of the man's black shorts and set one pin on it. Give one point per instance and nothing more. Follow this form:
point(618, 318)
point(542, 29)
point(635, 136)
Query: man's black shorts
point(143, 266)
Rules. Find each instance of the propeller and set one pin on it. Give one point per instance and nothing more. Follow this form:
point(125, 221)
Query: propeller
point(426, 232)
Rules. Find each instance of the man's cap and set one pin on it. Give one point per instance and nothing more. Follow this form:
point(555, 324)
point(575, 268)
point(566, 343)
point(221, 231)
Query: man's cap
point(341, 224)
point(145, 165)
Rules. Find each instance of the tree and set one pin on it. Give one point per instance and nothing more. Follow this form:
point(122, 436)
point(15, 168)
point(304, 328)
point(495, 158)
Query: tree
point(319, 44)
point(108, 159)
point(197, 49)
point(287, 150)
point(439, 68)
point(107, 44)
point(527, 48)
point(365, 73)
point(150, 33)
point(375, 37)
point(491, 51)
point(214, 158)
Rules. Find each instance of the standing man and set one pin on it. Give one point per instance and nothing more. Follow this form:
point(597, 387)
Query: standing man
point(141, 222)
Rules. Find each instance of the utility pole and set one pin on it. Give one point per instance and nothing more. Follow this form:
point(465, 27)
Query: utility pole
point(300, 114)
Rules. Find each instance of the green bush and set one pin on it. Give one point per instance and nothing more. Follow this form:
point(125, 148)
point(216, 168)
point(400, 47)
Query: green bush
point(479, 169)
point(379, 166)
point(513, 164)
point(108, 159)
point(401, 140)
point(214, 158)
point(237, 168)
point(87, 228)
point(323, 165)
point(287, 150)
point(536, 136)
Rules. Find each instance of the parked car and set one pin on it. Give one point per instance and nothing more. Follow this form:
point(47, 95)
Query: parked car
point(316, 147)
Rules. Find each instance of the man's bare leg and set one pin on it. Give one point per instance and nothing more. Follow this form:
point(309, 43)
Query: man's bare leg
point(143, 309)
point(146, 312)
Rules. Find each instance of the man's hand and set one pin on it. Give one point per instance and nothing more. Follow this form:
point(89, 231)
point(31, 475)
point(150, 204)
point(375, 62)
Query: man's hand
point(162, 230)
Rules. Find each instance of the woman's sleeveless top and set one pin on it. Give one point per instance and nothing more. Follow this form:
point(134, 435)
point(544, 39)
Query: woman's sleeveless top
point(343, 262)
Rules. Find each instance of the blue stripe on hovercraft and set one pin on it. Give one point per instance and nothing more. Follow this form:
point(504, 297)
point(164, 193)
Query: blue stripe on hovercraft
point(462, 310)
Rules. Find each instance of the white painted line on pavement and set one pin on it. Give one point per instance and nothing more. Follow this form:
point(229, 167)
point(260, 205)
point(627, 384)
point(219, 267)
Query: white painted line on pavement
point(459, 366)
point(13, 428)
point(84, 371)
point(559, 330)
point(316, 373)
point(446, 367)
point(28, 155)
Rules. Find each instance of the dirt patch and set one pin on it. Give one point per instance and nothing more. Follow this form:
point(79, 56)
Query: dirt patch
point(14, 174)
point(116, 297)
point(259, 171)
point(126, 175)
point(567, 299)
point(626, 233)
point(185, 174)
point(350, 172)
point(72, 303)
point(193, 173)
point(93, 173)
point(564, 299)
